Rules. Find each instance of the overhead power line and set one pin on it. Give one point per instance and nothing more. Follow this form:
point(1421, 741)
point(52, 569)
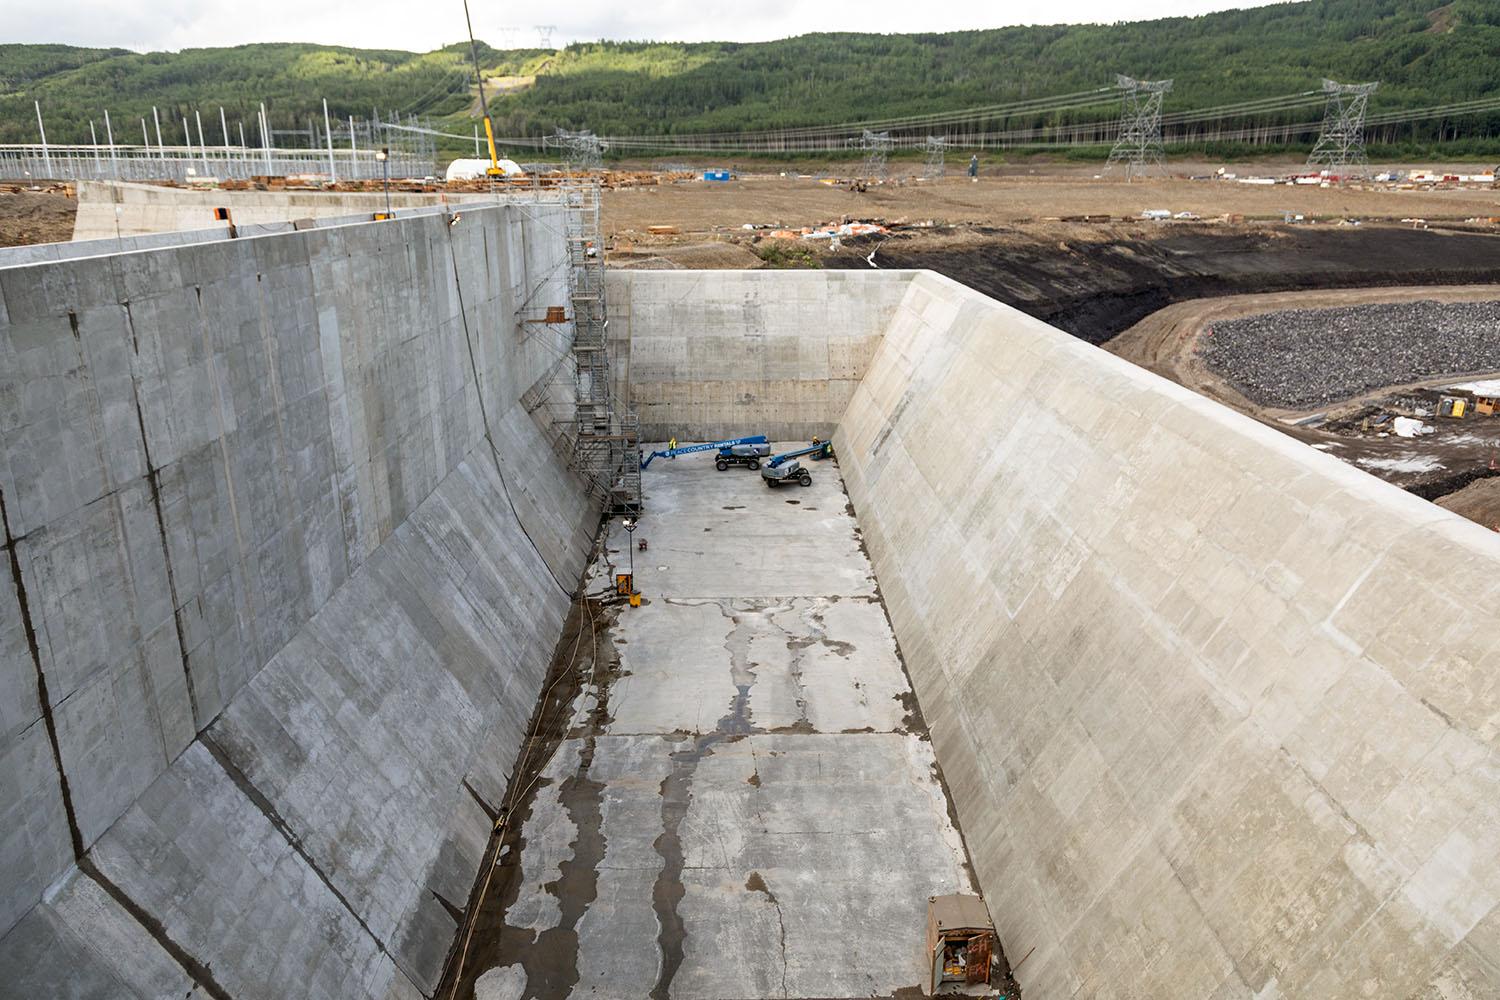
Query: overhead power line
point(1019, 124)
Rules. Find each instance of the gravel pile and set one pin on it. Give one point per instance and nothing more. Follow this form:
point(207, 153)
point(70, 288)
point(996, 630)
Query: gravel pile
point(1307, 357)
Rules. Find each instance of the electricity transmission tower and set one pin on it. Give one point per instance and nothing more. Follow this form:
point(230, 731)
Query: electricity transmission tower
point(1139, 144)
point(544, 35)
point(935, 147)
point(1341, 144)
point(876, 146)
point(583, 152)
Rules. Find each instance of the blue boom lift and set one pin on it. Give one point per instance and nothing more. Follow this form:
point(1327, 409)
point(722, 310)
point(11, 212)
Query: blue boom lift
point(720, 446)
point(785, 469)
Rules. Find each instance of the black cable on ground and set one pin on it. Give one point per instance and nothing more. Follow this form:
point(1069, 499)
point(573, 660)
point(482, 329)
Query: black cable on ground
point(524, 763)
point(484, 412)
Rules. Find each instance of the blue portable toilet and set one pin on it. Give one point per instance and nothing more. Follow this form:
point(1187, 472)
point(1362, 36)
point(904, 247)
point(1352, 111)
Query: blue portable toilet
point(716, 175)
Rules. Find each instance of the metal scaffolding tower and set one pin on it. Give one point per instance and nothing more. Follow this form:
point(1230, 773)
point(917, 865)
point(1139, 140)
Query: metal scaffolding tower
point(936, 148)
point(876, 146)
point(605, 436)
point(1341, 143)
point(1139, 142)
point(583, 152)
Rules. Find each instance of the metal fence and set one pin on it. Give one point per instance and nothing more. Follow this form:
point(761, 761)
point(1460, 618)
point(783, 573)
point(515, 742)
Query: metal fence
point(185, 163)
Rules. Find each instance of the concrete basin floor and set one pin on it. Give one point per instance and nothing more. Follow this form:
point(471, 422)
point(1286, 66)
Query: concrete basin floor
point(756, 810)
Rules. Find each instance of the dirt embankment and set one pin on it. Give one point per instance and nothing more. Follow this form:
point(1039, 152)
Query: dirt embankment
point(35, 216)
point(1479, 502)
point(1095, 281)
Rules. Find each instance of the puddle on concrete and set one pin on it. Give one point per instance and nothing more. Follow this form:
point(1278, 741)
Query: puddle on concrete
point(549, 958)
point(677, 793)
point(676, 796)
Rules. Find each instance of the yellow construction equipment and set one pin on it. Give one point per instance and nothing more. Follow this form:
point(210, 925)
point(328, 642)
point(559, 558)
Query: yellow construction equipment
point(493, 170)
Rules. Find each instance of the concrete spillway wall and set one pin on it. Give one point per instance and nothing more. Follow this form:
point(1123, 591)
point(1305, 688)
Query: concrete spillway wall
point(714, 354)
point(1220, 714)
point(278, 612)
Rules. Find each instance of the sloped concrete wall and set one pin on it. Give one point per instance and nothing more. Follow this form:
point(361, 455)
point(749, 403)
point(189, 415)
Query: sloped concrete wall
point(1220, 713)
point(278, 612)
point(715, 354)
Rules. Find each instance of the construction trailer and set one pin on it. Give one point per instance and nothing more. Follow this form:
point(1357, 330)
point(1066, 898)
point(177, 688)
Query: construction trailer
point(961, 943)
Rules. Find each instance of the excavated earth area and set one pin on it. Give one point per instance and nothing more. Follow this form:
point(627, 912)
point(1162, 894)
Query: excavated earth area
point(1096, 280)
point(745, 802)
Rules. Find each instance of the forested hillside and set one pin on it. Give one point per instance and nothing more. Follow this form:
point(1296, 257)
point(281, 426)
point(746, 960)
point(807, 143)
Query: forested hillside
point(1422, 55)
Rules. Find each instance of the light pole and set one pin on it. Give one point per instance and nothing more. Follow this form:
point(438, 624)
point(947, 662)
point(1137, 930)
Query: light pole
point(384, 156)
point(630, 545)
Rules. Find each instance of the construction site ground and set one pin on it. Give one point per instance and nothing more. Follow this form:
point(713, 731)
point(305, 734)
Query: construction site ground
point(1068, 246)
point(795, 201)
point(40, 216)
point(1072, 249)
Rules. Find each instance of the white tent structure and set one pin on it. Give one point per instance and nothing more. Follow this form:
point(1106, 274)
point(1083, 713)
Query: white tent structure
point(473, 169)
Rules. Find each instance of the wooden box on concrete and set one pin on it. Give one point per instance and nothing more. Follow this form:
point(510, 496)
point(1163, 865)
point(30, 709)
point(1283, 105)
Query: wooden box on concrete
point(960, 940)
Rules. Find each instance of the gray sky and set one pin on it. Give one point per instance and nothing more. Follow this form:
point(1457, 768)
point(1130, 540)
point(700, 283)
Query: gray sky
point(410, 24)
